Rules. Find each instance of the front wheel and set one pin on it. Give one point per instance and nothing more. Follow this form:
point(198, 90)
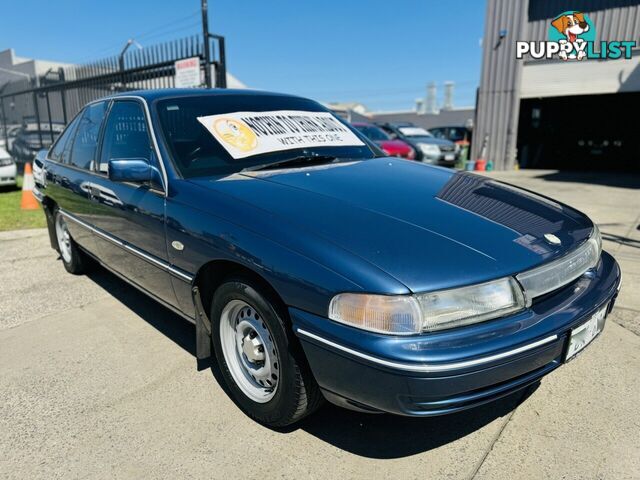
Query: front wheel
point(264, 370)
point(73, 258)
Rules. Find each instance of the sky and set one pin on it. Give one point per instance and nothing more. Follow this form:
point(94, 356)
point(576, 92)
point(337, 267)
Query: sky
point(379, 53)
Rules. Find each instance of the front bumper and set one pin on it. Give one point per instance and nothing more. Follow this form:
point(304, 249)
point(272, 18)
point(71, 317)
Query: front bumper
point(441, 159)
point(448, 371)
point(8, 175)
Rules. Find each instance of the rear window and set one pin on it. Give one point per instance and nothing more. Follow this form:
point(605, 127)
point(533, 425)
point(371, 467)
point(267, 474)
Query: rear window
point(57, 152)
point(196, 152)
point(373, 133)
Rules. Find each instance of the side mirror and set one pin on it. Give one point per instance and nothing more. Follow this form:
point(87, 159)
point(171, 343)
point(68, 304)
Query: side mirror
point(135, 170)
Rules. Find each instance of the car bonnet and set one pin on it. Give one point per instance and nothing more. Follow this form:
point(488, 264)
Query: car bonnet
point(428, 227)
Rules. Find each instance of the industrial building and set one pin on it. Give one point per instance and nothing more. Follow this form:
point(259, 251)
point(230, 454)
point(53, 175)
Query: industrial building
point(551, 113)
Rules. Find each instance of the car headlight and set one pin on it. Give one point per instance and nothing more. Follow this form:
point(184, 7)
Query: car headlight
point(5, 162)
point(429, 149)
point(597, 237)
point(427, 312)
point(457, 148)
point(397, 314)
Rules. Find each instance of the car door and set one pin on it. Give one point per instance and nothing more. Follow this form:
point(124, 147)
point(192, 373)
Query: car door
point(70, 173)
point(131, 233)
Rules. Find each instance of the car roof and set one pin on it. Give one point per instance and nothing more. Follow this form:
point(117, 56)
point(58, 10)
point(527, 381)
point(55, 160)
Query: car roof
point(159, 94)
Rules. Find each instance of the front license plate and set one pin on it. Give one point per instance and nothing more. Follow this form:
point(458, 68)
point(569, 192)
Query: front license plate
point(581, 336)
point(449, 156)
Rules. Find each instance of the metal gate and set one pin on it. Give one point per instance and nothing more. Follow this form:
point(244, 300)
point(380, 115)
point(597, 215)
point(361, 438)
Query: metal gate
point(33, 112)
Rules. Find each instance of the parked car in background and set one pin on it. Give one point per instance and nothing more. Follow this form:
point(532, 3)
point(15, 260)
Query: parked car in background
point(8, 169)
point(460, 135)
point(7, 138)
point(31, 138)
point(393, 148)
point(429, 149)
point(312, 266)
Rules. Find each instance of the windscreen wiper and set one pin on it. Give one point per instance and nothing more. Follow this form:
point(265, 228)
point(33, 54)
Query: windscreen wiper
point(301, 159)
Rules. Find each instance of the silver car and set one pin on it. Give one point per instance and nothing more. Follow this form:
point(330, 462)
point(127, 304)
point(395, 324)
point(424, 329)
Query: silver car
point(8, 169)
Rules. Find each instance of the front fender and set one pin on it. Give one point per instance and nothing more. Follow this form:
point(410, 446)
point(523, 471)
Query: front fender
point(303, 269)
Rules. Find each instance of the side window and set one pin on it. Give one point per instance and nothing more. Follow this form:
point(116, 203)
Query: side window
point(57, 151)
point(84, 148)
point(125, 135)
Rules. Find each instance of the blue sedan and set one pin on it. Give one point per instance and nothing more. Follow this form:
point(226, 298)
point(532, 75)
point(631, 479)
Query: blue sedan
point(316, 268)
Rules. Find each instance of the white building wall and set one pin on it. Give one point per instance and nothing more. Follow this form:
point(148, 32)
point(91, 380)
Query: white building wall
point(588, 77)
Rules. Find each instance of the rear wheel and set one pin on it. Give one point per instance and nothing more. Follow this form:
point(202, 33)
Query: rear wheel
point(261, 365)
point(74, 260)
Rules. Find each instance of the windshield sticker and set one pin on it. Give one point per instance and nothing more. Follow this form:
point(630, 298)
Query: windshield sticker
point(414, 132)
point(244, 134)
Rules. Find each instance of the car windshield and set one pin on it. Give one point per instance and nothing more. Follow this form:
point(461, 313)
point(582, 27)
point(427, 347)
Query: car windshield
point(414, 132)
point(457, 134)
point(373, 133)
point(210, 135)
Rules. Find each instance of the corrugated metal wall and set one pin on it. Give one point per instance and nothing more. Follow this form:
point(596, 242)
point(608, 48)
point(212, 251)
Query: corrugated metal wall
point(588, 77)
point(500, 81)
point(499, 93)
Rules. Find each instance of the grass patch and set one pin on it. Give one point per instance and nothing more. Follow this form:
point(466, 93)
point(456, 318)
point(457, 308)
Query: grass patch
point(11, 217)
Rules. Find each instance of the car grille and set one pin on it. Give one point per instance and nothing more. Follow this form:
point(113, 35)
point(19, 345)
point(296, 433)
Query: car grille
point(447, 148)
point(556, 274)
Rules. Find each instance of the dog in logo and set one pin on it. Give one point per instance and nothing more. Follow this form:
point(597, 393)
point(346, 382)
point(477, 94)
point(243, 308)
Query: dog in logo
point(571, 26)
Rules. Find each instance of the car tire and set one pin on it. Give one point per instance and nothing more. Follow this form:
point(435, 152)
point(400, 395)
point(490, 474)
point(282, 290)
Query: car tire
point(258, 355)
point(74, 260)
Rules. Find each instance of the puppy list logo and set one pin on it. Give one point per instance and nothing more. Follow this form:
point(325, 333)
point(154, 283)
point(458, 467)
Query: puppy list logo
point(572, 36)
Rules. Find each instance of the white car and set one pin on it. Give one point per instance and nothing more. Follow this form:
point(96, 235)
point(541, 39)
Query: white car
point(7, 169)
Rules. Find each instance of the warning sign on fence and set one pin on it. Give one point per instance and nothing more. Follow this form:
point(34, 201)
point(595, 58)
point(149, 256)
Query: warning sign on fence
point(187, 73)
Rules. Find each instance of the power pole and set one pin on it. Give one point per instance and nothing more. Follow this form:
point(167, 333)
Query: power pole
point(206, 37)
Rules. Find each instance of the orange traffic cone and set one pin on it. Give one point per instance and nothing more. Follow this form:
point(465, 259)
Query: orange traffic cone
point(28, 201)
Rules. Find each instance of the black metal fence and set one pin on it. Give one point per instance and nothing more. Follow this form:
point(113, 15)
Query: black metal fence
point(33, 112)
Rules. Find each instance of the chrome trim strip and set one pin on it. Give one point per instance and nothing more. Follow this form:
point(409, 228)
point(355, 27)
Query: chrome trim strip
point(38, 194)
point(429, 368)
point(130, 248)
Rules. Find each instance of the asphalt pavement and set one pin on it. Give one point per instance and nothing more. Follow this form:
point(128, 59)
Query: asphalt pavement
point(98, 381)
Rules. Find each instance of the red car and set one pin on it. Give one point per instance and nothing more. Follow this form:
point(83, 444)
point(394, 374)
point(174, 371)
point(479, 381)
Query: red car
point(393, 148)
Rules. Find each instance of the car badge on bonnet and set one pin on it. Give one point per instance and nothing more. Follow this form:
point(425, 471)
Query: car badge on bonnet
point(552, 239)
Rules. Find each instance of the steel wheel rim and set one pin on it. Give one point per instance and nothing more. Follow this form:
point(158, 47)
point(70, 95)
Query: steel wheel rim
point(64, 239)
point(249, 351)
